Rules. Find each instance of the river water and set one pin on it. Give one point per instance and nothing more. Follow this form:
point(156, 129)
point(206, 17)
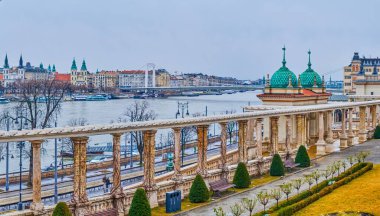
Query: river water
point(103, 112)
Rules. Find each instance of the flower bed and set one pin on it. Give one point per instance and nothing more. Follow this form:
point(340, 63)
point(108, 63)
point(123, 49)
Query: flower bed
point(305, 198)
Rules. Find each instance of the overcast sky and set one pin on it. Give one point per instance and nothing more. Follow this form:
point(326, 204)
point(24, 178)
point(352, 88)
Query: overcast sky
point(240, 38)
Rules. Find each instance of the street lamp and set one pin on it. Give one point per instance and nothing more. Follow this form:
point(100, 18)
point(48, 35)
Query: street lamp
point(19, 115)
point(55, 165)
point(182, 106)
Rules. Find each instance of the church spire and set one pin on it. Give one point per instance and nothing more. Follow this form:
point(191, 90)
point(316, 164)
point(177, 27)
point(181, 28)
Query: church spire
point(41, 66)
point(283, 58)
point(6, 64)
point(53, 70)
point(309, 64)
point(74, 65)
point(21, 62)
point(84, 67)
point(49, 68)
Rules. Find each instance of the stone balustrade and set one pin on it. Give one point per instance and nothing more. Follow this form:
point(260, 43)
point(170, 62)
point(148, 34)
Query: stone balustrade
point(265, 131)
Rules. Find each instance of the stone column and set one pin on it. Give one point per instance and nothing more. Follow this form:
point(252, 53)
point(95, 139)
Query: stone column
point(250, 141)
point(362, 124)
point(177, 154)
point(149, 168)
point(202, 131)
point(37, 205)
point(243, 155)
point(321, 144)
point(343, 135)
point(350, 140)
point(117, 189)
point(329, 117)
point(223, 146)
point(274, 134)
point(299, 119)
point(373, 115)
point(288, 143)
point(259, 138)
point(80, 180)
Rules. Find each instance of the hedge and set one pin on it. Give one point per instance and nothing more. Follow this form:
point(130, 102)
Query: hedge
point(305, 198)
point(61, 209)
point(241, 177)
point(340, 181)
point(277, 166)
point(302, 157)
point(140, 205)
point(199, 192)
point(376, 135)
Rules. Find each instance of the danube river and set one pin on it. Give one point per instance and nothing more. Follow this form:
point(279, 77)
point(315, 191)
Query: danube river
point(104, 112)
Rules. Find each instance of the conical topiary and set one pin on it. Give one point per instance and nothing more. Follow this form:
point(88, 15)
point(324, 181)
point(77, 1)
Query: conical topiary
point(140, 205)
point(377, 133)
point(277, 167)
point(241, 177)
point(199, 191)
point(61, 209)
point(302, 157)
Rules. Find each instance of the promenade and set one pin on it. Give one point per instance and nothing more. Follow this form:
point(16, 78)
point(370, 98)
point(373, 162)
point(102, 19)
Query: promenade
point(321, 163)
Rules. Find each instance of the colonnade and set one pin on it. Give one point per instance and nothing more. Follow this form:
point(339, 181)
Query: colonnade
point(301, 128)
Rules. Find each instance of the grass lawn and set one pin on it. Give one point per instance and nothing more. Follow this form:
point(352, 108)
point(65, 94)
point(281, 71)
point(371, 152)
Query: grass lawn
point(187, 205)
point(362, 194)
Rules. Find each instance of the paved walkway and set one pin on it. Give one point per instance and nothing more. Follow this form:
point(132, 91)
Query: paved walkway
point(372, 146)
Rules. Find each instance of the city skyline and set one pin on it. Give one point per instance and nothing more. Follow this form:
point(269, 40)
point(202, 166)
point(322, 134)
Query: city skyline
point(242, 39)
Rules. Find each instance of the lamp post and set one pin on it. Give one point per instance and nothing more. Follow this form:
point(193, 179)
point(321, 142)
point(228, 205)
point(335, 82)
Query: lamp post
point(20, 145)
point(7, 162)
point(182, 106)
point(55, 165)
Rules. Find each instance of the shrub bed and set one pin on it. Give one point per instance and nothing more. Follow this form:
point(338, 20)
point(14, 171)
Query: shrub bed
point(307, 197)
point(341, 180)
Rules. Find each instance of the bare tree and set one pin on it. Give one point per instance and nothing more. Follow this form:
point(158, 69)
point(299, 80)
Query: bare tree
point(137, 112)
point(41, 100)
point(68, 145)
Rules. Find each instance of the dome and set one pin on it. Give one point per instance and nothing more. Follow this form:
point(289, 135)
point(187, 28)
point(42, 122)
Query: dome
point(309, 76)
point(280, 79)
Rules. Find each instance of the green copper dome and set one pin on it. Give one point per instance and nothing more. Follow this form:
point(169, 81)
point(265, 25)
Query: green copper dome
point(280, 79)
point(309, 77)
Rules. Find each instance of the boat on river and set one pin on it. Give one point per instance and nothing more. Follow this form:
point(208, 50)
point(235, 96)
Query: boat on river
point(79, 97)
point(4, 100)
point(98, 97)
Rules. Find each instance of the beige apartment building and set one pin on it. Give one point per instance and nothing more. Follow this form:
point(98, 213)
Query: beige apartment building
point(361, 77)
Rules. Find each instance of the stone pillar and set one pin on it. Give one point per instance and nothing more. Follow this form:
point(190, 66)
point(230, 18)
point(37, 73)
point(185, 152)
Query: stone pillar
point(321, 144)
point(343, 135)
point(299, 119)
point(37, 206)
point(80, 199)
point(288, 140)
point(223, 149)
point(250, 141)
point(329, 117)
point(243, 155)
point(202, 131)
point(117, 189)
point(373, 115)
point(149, 167)
point(177, 154)
point(350, 140)
point(274, 134)
point(259, 138)
point(362, 124)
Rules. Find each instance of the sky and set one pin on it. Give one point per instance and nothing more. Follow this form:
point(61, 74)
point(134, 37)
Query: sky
point(238, 38)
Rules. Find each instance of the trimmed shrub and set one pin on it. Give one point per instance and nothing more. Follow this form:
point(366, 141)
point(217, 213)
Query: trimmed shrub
point(199, 192)
point(302, 157)
point(376, 135)
point(277, 167)
point(61, 209)
point(241, 177)
point(140, 205)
